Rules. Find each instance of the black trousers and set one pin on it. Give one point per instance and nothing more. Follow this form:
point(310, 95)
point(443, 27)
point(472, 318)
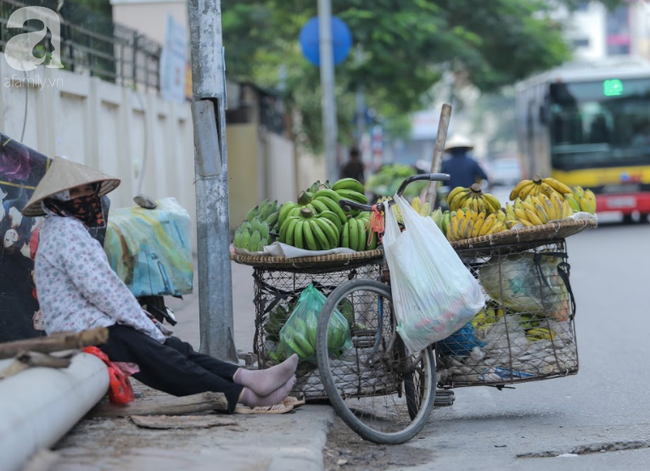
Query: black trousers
point(173, 367)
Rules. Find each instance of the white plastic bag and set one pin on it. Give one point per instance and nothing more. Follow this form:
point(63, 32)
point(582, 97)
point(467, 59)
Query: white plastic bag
point(434, 294)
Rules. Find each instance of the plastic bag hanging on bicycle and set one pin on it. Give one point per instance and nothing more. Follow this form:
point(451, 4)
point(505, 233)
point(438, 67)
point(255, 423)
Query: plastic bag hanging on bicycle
point(434, 294)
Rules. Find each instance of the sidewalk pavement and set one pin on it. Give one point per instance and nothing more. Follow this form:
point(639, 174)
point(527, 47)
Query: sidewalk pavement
point(281, 442)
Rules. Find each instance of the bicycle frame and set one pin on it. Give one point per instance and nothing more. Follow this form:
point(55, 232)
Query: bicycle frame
point(401, 367)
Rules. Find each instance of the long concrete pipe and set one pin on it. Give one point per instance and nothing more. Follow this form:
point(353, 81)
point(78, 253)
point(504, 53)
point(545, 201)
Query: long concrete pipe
point(39, 405)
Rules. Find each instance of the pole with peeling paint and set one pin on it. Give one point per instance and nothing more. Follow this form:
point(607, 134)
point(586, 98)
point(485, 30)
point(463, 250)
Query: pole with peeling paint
point(211, 168)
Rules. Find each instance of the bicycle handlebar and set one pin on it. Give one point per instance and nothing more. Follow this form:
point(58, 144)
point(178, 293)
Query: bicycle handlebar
point(433, 177)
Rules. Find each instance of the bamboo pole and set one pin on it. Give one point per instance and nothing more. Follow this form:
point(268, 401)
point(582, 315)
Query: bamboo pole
point(55, 343)
point(438, 151)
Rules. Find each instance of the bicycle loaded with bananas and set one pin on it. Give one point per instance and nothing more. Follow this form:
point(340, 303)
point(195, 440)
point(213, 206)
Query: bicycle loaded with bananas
point(381, 390)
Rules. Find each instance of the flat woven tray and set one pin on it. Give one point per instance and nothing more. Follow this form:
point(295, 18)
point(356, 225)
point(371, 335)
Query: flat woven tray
point(317, 262)
point(549, 231)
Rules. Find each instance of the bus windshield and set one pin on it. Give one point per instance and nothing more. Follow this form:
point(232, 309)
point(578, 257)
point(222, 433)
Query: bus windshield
point(600, 123)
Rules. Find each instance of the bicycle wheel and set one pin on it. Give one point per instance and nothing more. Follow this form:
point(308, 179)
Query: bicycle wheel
point(381, 391)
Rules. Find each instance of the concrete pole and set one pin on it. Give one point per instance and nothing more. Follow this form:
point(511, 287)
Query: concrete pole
point(328, 100)
point(211, 168)
point(38, 406)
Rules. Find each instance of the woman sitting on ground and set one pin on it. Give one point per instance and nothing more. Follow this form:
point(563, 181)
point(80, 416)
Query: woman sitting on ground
point(78, 290)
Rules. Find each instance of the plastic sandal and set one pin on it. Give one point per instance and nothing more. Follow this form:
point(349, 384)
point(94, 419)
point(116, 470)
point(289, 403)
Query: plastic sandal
point(276, 409)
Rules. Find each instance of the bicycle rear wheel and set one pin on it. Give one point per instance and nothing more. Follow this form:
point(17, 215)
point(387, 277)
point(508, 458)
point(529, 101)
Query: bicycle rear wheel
point(384, 393)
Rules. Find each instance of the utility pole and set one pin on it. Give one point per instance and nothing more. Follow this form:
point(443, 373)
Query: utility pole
point(328, 100)
point(211, 168)
point(361, 105)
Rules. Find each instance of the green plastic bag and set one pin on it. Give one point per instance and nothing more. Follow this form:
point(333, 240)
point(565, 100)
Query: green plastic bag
point(299, 332)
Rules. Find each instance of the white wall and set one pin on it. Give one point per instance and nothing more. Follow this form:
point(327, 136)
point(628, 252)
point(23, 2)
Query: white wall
point(138, 137)
point(589, 24)
point(150, 17)
point(280, 167)
point(133, 136)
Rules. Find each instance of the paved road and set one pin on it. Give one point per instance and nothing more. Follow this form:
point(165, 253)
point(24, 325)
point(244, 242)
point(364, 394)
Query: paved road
point(605, 403)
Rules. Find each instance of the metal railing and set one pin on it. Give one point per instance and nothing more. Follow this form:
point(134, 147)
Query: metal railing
point(92, 43)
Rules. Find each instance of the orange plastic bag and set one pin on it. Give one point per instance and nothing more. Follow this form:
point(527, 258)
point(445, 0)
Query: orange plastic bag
point(120, 390)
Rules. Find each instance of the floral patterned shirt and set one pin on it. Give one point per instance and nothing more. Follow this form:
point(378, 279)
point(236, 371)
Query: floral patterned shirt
point(77, 288)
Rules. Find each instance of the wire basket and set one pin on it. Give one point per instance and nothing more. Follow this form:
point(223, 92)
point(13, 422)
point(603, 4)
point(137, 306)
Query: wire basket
point(277, 291)
point(526, 332)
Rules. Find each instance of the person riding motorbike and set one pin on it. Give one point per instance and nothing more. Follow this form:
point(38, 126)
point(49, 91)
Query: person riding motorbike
point(463, 170)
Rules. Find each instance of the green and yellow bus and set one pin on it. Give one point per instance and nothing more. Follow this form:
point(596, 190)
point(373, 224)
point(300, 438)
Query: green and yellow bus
point(588, 124)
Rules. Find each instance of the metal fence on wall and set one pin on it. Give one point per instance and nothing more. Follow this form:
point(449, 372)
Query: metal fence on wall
point(92, 43)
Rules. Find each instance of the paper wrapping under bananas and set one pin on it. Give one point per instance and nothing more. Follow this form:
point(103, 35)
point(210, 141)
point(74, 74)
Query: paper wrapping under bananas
point(278, 249)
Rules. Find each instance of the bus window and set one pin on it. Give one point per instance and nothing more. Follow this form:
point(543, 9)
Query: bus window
point(590, 128)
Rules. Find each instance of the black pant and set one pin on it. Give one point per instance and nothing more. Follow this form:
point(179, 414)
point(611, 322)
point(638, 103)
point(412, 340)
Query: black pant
point(173, 367)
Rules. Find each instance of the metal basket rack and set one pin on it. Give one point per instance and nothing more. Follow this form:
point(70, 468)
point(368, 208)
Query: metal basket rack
point(527, 330)
point(276, 288)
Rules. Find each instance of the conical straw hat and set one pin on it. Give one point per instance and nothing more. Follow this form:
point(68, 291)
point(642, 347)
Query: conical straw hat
point(63, 175)
point(458, 140)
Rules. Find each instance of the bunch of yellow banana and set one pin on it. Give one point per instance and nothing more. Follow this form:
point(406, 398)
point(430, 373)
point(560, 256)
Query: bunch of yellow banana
point(540, 333)
point(537, 210)
point(472, 198)
point(537, 185)
point(582, 200)
point(467, 224)
point(489, 315)
point(423, 209)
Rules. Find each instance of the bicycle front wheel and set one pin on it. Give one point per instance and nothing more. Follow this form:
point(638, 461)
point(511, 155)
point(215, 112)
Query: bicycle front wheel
point(379, 389)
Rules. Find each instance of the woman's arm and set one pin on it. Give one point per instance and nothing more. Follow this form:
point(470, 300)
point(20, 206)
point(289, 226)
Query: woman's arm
point(85, 262)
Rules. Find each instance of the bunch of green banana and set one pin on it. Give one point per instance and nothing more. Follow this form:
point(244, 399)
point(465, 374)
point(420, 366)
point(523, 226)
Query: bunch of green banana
point(582, 200)
point(346, 307)
point(323, 202)
point(350, 189)
point(280, 354)
point(276, 321)
point(267, 211)
point(537, 185)
point(442, 219)
point(299, 336)
point(317, 185)
point(356, 233)
point(388, 178)
point(311, 231)
point(437, 217)
point(467, 224)
point(252, 236)
point(474, 199)
point(537, 210)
